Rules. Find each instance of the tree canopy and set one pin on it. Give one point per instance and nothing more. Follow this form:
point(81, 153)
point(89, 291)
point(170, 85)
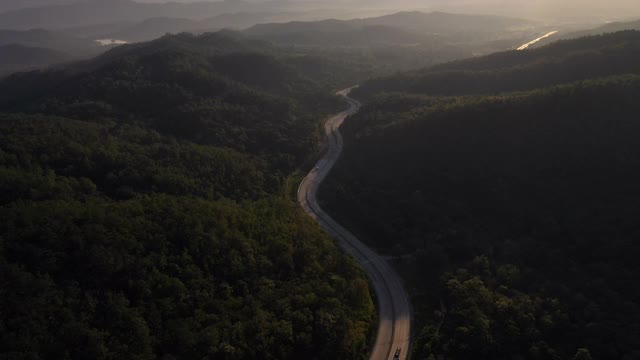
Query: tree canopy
point(511, 215)
point(143, 216)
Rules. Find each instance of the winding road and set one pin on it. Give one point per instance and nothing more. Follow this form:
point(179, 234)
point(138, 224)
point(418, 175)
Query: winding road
point(394, 308)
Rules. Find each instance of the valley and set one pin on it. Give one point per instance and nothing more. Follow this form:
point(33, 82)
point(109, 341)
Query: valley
point(186, 180)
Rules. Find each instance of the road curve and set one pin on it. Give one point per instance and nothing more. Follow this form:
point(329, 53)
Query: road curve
point(394, 309)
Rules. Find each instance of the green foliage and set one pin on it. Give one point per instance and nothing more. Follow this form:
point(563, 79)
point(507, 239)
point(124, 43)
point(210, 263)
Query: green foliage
point(142, 216)
point(167, 276)
point(118, 161)
point(539, 181)
point(250, 102)
point(488, 319)
point(582, 354)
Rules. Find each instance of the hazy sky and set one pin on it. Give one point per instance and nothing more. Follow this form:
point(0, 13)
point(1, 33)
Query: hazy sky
point(539, 9)
point(525, 8)
point(567, 9)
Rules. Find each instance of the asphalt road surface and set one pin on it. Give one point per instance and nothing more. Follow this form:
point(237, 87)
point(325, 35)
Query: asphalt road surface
point(394, 309)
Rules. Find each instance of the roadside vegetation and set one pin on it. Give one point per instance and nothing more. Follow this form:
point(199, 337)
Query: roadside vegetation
point(143, 215)
point(511, 214)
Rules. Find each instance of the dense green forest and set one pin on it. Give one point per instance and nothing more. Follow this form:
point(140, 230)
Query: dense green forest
point(512, 216)
point(212, 90)
point(143, 215)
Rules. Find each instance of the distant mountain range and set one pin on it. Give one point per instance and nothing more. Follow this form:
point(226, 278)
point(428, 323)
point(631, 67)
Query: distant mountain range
point(440, 22)
point(93, 12)
point(15, 54)
point(558, 63)
point(7, 5)
point(55, 40)
point(26, 50)
point(17, 57)
point(339, 35)
point(422, 37)
point(404, 27)
point(415, 21)
point(398, 28)
point(156, 27)
point(60, 14)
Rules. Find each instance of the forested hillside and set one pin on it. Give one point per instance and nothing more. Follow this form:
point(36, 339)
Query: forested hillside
point(401, 41)
point(143, 215)
point(561, 62)
point(511, 215)
point(195, 88)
